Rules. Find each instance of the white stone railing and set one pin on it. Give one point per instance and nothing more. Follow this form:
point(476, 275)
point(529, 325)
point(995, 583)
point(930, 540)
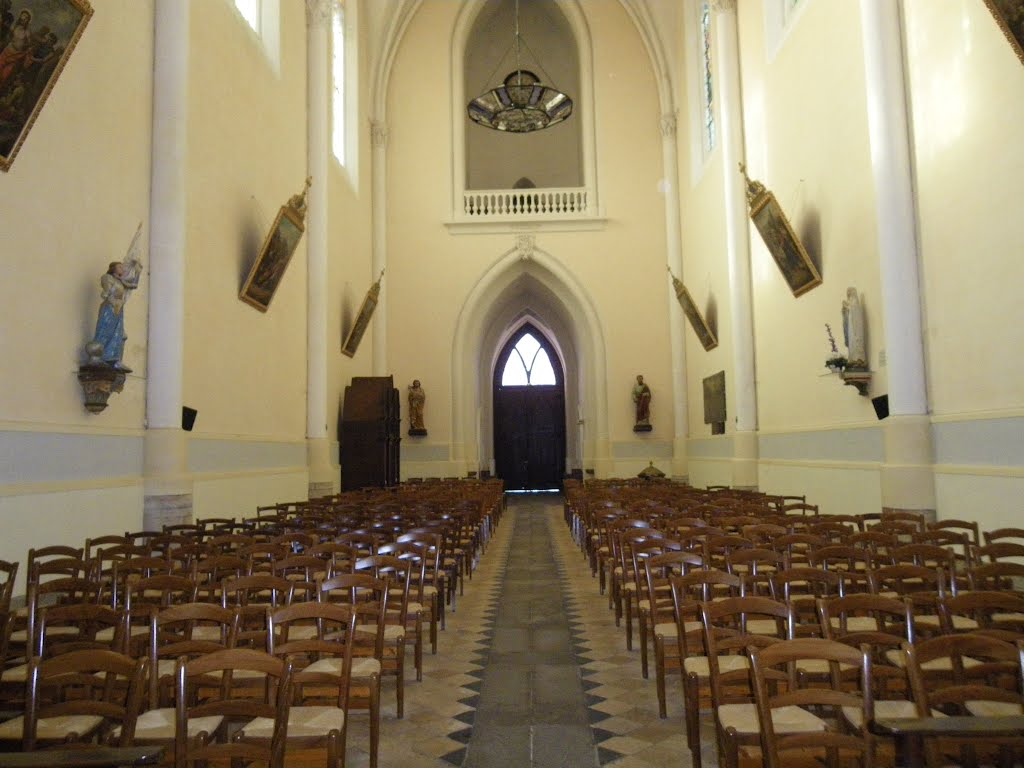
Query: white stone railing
point(524, 203)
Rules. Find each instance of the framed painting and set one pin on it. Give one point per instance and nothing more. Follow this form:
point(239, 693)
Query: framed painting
point(783, 244)
point(1009, 15)
point(269, 267)
point(36, 42)
point(714, 402)
point(355, 335)
point(704, 333)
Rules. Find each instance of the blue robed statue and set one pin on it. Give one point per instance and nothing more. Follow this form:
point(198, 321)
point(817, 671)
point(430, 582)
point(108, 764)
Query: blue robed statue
point(120, 279)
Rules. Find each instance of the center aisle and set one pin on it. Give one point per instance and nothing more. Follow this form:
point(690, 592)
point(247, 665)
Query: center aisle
point(532, 710)
point(531, 670)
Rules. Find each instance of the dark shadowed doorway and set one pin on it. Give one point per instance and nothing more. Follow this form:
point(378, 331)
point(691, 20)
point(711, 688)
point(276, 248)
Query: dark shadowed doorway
point(529, 413)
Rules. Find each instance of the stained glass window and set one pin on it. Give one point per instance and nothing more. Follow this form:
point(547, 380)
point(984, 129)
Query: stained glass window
point(338, 138)
point(707, 87)
point(528, 364)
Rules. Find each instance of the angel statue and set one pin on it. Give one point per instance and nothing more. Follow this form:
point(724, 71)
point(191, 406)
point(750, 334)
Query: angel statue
point(120, 279)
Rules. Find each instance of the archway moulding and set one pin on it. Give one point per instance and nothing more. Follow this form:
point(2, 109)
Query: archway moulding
point(475, 341)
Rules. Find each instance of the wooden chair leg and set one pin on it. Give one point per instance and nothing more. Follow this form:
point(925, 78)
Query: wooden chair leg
point(659, 672)
point(627, 609)
point(374, 720)
point(643, 643)
point(691, 695)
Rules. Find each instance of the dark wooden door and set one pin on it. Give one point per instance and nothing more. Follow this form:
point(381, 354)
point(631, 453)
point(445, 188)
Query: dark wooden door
point(529, 436)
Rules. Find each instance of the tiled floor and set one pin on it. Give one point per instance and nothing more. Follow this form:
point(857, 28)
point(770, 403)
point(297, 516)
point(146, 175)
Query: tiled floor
point(531, 670)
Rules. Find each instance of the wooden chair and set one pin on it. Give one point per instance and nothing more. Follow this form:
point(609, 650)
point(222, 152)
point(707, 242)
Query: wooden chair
point(801, 588)
point(728, 638)
point(368, 596)
point(688, 592)
point(174, 635)
point(224, 726)
point(787, 713)
point(657, 614)
point(999, 576)
point(983, 680)
point(398, 572)
point(82, 697)
point(251, 597)
point(321, 676)
point(996, 613)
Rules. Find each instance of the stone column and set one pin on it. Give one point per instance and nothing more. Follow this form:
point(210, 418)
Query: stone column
point(677, 327)
point(324, 478)
point(379, 141)
point(737, 236)
point(908, 481)
point(168, 483)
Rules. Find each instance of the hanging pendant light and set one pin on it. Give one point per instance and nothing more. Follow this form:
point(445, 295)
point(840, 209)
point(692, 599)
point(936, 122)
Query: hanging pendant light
point(522, 103)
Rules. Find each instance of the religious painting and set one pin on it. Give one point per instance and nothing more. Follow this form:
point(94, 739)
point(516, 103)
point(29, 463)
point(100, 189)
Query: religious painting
point(36, 41)
point(1009, 15)
point(355, 335)
point(268, 269)
point(714, 402)
point(783, 244)
point(697, 322)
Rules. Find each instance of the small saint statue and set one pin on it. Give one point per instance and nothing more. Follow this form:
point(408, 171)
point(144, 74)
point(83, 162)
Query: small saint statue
point(642, 401)
point(120, 279)
point(853, 332)
point(417, 398)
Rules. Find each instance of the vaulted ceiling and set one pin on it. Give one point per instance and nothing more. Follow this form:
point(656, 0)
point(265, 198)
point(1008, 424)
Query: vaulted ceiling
point(659, 23)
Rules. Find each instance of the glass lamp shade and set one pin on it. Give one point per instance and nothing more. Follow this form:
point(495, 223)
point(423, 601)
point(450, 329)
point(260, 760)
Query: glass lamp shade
point(520, 104)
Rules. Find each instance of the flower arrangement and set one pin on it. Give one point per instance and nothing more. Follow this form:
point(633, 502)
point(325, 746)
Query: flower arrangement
point(835, 361)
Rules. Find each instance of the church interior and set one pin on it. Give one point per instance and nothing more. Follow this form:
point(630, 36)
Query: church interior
point(766, 247)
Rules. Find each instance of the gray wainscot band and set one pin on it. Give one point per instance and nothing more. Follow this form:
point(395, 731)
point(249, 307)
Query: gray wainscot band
point(413, 452)
point(54, 457)
point(864, 445)
point(990, 442)
point(206, 455)
point(642, 449)
point(714, 448)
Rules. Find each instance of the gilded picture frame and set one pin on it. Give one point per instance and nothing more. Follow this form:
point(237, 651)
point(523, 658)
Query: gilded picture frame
point(785, 247)
point(355, 334)
point(38, 40)
point(1009, 15)
point(705, 335)
point(277, 251)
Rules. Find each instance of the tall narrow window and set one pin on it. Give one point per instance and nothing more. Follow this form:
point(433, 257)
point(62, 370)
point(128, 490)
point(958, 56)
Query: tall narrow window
point(251, 12)
point(338, 137)
point(707, 86)
point(528, 364)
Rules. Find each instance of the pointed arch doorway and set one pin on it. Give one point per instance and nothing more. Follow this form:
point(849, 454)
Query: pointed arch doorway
point(529, 413)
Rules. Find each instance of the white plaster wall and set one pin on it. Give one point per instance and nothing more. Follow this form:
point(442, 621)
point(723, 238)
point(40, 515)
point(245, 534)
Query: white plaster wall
point(620, 269)
point(968, 102)
point(245, 371)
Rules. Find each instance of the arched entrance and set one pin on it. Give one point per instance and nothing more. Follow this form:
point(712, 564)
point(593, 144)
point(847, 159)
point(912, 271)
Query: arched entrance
point(529, 413)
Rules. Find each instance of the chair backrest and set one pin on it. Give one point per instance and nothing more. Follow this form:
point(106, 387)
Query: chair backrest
point(334, 638)
point(91, 691)
point(777, 685)
point(67, 628)
point(214, 672)
point(8, 574)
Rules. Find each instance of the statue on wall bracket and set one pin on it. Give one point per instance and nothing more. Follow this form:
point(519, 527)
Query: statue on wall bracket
point(104, 373)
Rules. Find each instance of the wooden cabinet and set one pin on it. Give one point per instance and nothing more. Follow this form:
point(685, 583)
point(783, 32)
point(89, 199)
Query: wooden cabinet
point(369, 433)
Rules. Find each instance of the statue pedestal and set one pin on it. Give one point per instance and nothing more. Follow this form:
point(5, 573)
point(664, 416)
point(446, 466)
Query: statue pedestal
point(858, 379)
point(642, 427)
point(99, 381)
point(417, 432)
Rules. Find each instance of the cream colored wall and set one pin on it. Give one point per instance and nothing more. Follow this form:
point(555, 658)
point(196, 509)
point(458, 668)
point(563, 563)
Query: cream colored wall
point(78, 188)
point(966, 154)
point(350, 271)
point(621, 269)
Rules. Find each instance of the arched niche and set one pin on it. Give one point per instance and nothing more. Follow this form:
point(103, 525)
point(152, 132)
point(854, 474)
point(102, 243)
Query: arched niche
point(529, 287)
